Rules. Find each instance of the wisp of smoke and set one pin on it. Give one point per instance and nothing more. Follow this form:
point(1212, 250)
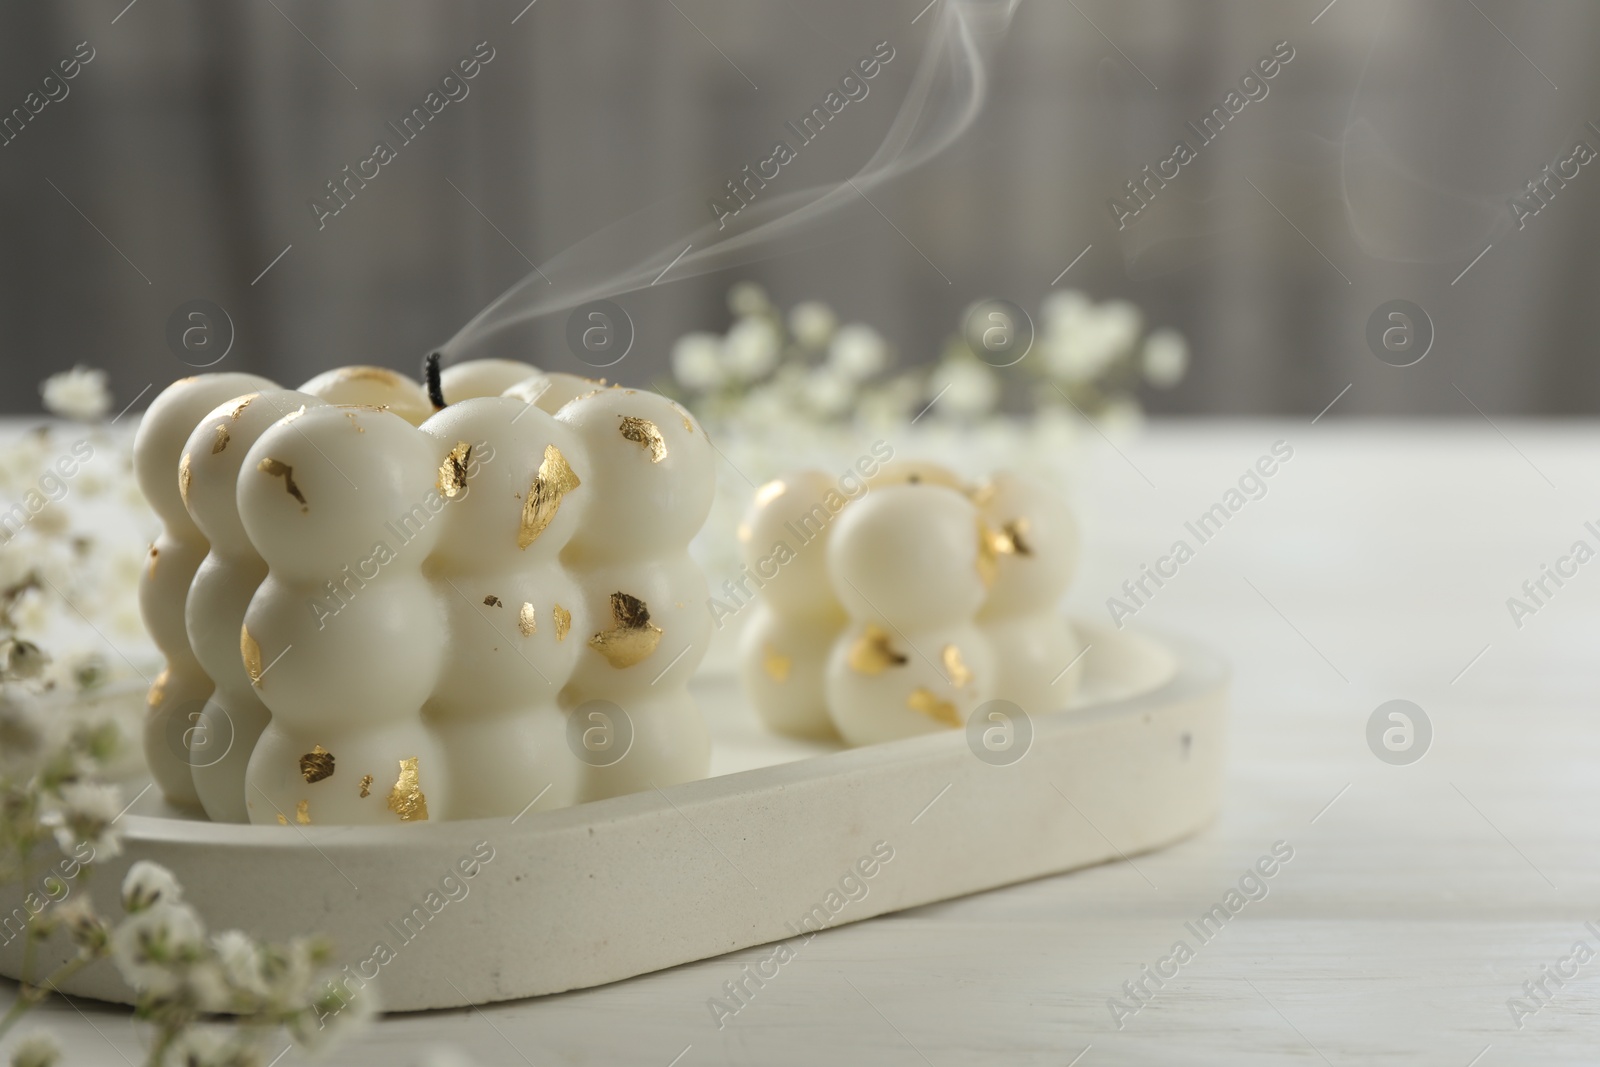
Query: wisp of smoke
point(946, 94)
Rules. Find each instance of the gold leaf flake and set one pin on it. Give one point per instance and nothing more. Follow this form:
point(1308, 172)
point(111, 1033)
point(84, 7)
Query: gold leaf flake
point(366, 785)
point(276, 468)
point(527, 621)
point(406, 799)
point(775, 663)
point(158, 690)
point(302, 813)
point(295, 414)
point(250, 651)
point(563, 619)
point(155, 554)
point(941, 711)
point(984, 494)
point(555, 480)
point(646, 434)
point(633, 638)
point(185, 476)
point(1011, 538)
point(355, 422)
point(244, 402)
point(492, 601)
point(453, 471)
point(687, 425)
point(222, 438)
point(316, 765)
point(872, 653)
point(281, 820)
point(368, 374)
point(954, 667)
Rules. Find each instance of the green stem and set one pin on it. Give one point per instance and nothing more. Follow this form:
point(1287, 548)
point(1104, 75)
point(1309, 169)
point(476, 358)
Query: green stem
point(29, 995)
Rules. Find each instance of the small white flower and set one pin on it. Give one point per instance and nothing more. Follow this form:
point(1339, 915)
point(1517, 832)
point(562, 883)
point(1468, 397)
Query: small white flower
point(338, 1012)
point(84, 926)
point(829, 393)
point(750, 350)
point(812, 322)
point(197, 1047)
point(240, 959)
point(697, 361)
point(1063, 310)
point(858, 352)
point(36, 1050)
point(22, 726)
point(1166, 358)
point(208, 986)
point(969, 388)
point(154, 948)
point(748, 298)
point(147, 884)
point(79, 393)
point(87, 816)
point(1119, 324)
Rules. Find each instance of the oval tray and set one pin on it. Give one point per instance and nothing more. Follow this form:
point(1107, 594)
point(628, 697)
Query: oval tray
point(786, 838)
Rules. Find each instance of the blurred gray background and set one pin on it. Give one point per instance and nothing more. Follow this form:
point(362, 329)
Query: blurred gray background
point(1383, 160)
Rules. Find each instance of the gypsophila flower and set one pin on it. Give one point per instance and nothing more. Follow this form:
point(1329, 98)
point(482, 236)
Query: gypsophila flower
point(213, 1048)
point(22, 660)
point(87, 931)
point(79, 393)
point(1165, 358)
point(828, 392)
point(36, 1050)
point(240, 959)
point(87, 815)
point(147, 884)
point(748, 298)
point(22, 727)
point(858, 352)
point(965, 388)
point(751, 348)
point(154, 948)
point(697, 361)
point(340, 1012)
point(812, 322)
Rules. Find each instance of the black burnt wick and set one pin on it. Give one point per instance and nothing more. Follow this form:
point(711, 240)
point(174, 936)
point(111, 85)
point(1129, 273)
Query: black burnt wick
point(430, 374)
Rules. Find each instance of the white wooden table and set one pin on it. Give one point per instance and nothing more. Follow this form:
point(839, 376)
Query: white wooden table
point(1419, 898)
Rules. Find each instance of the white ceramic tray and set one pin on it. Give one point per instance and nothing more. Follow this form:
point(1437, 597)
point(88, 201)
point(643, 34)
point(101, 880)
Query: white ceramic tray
point(780, 841)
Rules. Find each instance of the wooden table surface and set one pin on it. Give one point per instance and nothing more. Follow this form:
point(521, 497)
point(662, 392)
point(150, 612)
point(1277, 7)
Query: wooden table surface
point(1419, 898)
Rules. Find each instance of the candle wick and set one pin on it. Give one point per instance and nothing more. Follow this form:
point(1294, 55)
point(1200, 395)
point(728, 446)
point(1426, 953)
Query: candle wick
point(430, 374)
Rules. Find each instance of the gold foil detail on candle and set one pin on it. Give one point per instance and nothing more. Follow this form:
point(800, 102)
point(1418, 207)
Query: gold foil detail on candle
point(368, 374)
point(302, 813)
point(984, 494)
point(185, 476)
point(316, 765)
point(687, 425)
point(1011, 538)
point(527, 620)
point(492, 601)
point(954, 667)
point(555, 480)
point(776, 664)
point(238, 409)
point(872, 652)
point(633, 638)
point(355, 422)
point(155, 554)
point(646, 434)
point(158, 690)
point(941, 711)
point(276, 468)
point(453, 471)
point(563, 619)
point(295, 414)
point(222, 438)
point(281, 820)
point(406, 799)
point(250, 652)
point(366, 785)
